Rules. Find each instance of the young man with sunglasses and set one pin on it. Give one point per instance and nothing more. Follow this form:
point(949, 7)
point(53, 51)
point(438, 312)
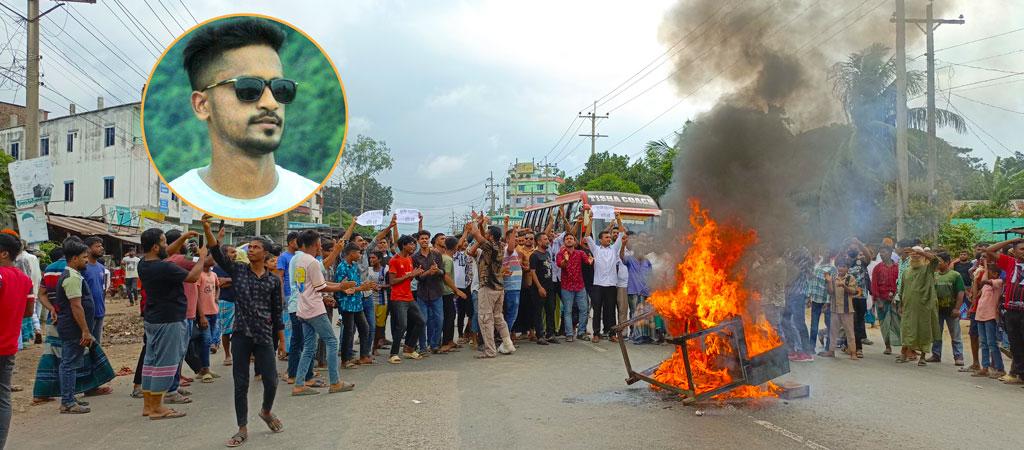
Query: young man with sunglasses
point(239, 90)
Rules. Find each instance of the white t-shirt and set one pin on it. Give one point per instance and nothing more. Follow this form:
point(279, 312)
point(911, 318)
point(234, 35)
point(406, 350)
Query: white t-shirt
point(291, 189)
point(306, 277)
point(131, 266)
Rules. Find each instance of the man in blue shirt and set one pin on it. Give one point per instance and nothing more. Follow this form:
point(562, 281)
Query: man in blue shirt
point(94, 275)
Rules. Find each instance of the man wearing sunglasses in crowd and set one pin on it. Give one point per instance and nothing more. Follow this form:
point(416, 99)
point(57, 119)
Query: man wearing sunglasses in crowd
point(239, 90)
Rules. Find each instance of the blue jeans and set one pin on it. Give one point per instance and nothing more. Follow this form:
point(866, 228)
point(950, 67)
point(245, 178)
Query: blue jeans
point(816, 310)
point(214, 329)
point(371, 318)
point(295, 348)
point(794, 325)
point(422, 338)
point(511, 307)
point(319, 326)
point(70, 360)
point(578, 298)
point(990, 356)
point(953, 324)
point(434, 312)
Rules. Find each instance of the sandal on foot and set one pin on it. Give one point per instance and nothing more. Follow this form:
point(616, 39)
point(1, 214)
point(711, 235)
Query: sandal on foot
point(227, 362)
point(317, 384)
point(341, 387)
point(304, 391)
point(208, 378)
point(272, 422)
point(237, 440)
point(137, 393)
point(74, 409)
point(102, 390)
point(177, 399)
point(170, 414)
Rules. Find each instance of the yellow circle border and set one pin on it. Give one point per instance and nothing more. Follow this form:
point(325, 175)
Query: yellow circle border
point(149, 80)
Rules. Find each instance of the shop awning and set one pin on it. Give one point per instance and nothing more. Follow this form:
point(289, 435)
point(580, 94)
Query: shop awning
point(90, 227)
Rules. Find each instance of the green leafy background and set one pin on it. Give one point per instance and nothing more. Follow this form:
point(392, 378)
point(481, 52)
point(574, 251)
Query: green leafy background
point(314, 125)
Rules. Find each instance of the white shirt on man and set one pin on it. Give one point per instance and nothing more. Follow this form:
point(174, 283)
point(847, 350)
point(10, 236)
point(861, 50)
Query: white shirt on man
point(291, 189)
point(606, 260)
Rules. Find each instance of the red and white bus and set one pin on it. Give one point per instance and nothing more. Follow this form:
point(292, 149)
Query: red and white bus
point(639, 212)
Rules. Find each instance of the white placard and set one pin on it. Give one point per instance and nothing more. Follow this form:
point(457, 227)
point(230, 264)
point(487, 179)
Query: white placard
point(603, 212)
point(408, 215)
point(185, 215)
point(31, 181)
point(371, 218)
point(32, 224)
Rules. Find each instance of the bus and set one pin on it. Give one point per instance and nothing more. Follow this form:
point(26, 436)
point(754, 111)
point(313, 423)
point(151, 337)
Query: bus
point(639, 212)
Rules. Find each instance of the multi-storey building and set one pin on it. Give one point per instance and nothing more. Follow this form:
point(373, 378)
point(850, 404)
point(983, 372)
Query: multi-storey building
point(529, 183)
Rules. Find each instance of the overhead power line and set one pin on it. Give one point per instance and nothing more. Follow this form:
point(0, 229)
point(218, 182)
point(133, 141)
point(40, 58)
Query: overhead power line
point(188, 11)
point(175, 19)
point(159, 19)
point(452, 191)
point(980, 39)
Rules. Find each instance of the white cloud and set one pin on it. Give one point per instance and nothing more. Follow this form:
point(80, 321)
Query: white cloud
point(458, 96)
point(440, 167)
point(494, 140)
point(359, 125)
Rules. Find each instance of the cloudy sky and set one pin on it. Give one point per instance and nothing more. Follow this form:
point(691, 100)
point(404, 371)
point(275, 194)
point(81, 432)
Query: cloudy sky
point(462, 88)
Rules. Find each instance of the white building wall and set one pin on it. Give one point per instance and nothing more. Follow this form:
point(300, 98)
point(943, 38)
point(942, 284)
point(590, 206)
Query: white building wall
point(136, 184)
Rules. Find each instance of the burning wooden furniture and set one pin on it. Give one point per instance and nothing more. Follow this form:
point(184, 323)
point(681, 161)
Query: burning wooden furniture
point(742, 369)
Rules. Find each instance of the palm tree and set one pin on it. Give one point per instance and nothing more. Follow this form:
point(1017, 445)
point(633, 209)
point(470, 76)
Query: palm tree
point(866, 85)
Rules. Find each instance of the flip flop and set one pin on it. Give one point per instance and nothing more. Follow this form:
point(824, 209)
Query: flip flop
point(137, 393)
point(170, 414)
point(272, 422)
point(227, 362)
point(345, 387)
point(303, 392)
point(237, 440)
point(177, 400)
point(102, 390)
point(317, 383)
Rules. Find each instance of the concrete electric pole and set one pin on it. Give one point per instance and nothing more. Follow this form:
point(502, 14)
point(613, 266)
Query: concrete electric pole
point(593, 128)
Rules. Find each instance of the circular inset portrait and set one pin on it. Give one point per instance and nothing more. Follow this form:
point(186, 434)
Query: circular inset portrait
point(244, 117)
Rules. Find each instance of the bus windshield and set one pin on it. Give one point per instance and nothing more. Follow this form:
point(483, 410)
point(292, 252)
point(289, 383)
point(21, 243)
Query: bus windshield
point(634, 223)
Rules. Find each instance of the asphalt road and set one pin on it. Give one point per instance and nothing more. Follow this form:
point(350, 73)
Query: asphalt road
point(570, 396)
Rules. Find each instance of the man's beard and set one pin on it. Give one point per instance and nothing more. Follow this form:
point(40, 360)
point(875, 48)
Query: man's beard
point(259, 147)
point(162, 254)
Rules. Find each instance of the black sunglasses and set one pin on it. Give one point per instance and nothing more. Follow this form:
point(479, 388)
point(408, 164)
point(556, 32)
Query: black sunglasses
point(250, 89)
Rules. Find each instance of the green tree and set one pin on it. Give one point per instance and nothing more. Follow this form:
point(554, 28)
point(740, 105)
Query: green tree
point(598, 164)
point(361, 190)
point(612, 182)
point(653, 171)
point(956, 238)
point(6, 192)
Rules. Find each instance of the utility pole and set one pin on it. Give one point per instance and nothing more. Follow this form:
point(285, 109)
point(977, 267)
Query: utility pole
point(490, 194)
point(32, 71)
point(593, 127)
point(928, 26)
point(902, 167)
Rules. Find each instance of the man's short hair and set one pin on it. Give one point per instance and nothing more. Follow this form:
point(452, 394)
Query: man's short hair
point(404, 240)
point(73, 248)
point(10, 244)
point(350, 247)
point(207, 44)
point(423, 233)
point(495, 232)
point(601, 234)
point(92, 240)
point(944, 256)
point(150, 238)
point(451, 242)
point(307, 238)
point(56, 253)
point(292, 235)
point(267, 244)
point(172, 235)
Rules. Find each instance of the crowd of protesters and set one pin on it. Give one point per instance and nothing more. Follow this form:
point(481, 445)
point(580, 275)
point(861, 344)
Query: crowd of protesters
point(321, 304)
point(914, 294)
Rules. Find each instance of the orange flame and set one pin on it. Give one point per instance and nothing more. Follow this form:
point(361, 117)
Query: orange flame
point(709, 290)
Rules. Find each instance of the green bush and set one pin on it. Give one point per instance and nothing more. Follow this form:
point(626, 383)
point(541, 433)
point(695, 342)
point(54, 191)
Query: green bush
point(314, 126)
point(956, 238)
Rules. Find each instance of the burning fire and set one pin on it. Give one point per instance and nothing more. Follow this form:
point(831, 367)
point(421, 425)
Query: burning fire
point(708, 291)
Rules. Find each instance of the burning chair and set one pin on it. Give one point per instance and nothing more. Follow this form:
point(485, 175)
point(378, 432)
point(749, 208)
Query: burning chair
point(742, 370)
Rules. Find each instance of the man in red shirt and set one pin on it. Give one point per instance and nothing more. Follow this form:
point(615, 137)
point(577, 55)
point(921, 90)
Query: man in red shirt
point(16, 303)
point(406, 316)
point(883, 288)
point(1013, 302)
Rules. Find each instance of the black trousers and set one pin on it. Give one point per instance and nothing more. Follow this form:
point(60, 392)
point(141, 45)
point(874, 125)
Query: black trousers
point(406, 320)
point(353, 321)
point(138, 367)
point(448, 319)
point(544, 312)
point(1013, 322)
point(243, 347)
point(604, 304)
point(464, 310)
point(860, 309)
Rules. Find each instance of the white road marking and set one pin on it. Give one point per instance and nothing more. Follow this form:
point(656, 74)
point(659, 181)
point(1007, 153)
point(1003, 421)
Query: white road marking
point(796, 437)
